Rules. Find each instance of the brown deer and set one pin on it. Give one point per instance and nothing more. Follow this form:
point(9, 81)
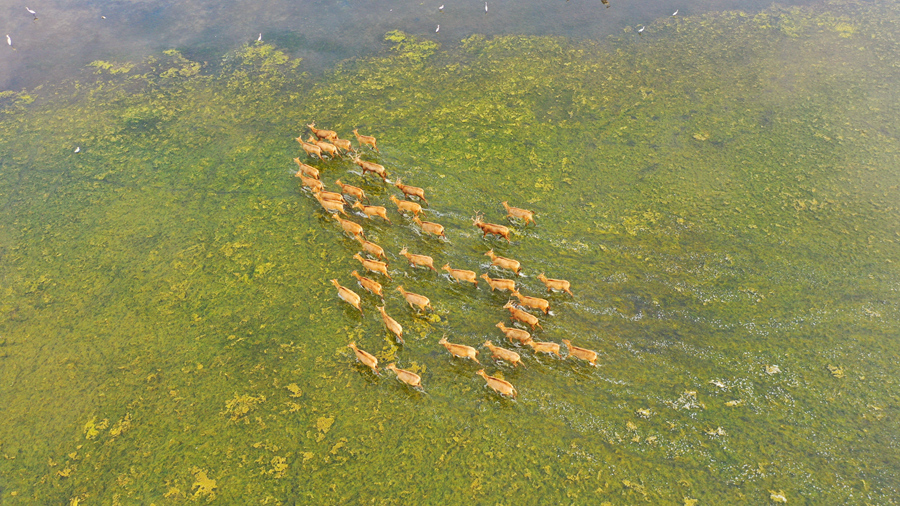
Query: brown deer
point(555, 284)
point(504, 354)
point(490, 228)
point(343, 144)
point(371, 248)
point(373, 265)
point(371, 211)
point(583, 353)
point(461, 274)
point(410, 378)
point(391, 324)
point(429, 227)
point(369, 284)
point(415, 300)
point(357, 193)
point(460, 350)
point(522, 316)
point(347, 295)
point(332, 196)
point(311, 149)
point(542, 347)
point(504, 263)
point(310, 182)
point(308, 170)
point(322, 134)
point(533, 302)
point(365, 139)
point(498, 385)
point(514, 334)
point(498, 283)
point(516, 212)
point(366, 358)
point(331, 206)
point(327, 147)
point(348, 226)
point(405, 205)
point(371, 167)
point(409, 191)
point(420, 260)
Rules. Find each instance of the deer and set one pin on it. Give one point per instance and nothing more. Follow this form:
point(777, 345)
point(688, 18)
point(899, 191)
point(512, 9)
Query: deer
point(490, 228)
point(415, 300)
point(308, 170)
point(391, 324)
point(498, 385)
point(357, 193)
point(366, 358)
point(583, 353)
point(332, 196)
point(504, 354)
point(504, 263)
point(405, 205)
point(310, 182)
point(429, 227)
point(555, 284)
point(374, 287)
point(371, 248)
point(514, 334)
point(348, 226)
point(543, 347)
point(373, 265)
point(327, 147)
point(420, 260)
point(364, 139)
point(371, 211)
point(532, 302)
point(322, 134)
point(331, 206)
point(460, 274)
point(516, 212)
point(311, 149)
point(371, 167)
point(409, 191)
point(498, 283)
point(343, 144)
point(460, 350)
point(410, 378)
point(347, 295)
point(523, 316)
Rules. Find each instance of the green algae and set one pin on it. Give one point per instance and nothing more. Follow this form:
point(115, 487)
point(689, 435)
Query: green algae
point(721, 192)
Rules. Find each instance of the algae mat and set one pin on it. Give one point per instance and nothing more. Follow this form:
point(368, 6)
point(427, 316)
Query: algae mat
point(721, 191)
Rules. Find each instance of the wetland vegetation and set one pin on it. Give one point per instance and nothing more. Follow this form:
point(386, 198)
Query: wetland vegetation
point(721, 191)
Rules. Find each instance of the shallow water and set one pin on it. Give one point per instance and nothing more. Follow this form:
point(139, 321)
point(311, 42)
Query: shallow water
point(721, 192)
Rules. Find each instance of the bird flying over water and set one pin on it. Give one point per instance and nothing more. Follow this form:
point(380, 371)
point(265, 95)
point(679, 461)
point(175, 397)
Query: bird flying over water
point(8, 39)
point(485, 7)
point(675, 13)
point(259, 39)
point(436, 30)
point(641, 30)
point(441, 8)
point(31, 12)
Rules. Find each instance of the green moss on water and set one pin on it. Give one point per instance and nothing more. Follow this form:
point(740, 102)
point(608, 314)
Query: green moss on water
point(721, 192)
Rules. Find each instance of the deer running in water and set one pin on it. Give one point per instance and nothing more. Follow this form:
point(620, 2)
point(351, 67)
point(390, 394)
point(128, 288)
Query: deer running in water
point(498, 385)
point(357, 193)
point(542, 347)
point(391, 324)
point(460, 350)
point(365, 139)
point(504, 263)
point(311, 149)
point(516, 212)
point(461, 274)
point(350, 227)
point(365, 358)
point(490, 228)
point(533, 302)
point(373, 265)
point(410, 190)
point(504, 354)
point(429, 227)
point(514, 334)
point(371, 248)
point(555, 284)
point(499, 284)
point(369, 284)
point(410, 378)
point(583, 353)
point(371, 167)
point(415, 300)
point(405, 205)
point(371, 211)
point(420, 260)
point(522, 316)
point(322, 134)
point(347, 295)
point(308, 170)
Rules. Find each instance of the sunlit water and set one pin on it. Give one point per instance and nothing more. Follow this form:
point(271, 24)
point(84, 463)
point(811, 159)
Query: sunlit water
point(721, 191)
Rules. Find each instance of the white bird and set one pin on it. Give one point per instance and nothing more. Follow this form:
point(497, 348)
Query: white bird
point(436, 30)
point(8, 39)
point(77, 149)
point(31, 12)
point(441, 8)
point(485, 7)
point(259, 39)
point(675, 13)
point(641, 30)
